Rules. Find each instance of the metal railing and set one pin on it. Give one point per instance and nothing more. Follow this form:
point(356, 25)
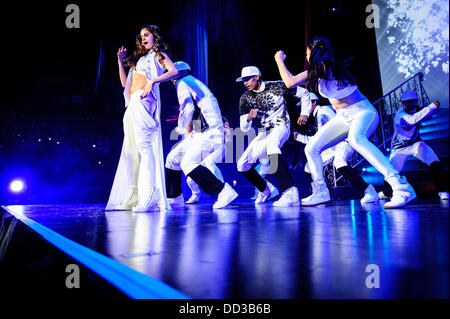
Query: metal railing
point(386, 106)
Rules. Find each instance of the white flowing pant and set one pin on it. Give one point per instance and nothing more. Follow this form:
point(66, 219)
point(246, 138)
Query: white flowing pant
point(356, 123)
point(137, 165)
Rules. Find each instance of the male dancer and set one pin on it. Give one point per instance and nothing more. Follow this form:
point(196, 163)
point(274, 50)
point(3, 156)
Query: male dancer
point(406, 142)
point(341, 153)
point(199, 105)
point(266, 101)
point(210, 163)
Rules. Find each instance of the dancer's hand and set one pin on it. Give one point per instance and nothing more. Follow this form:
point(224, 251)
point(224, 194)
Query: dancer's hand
point(253, 113)
point(147, 89)
point(437, 103)
point(280, 56)
point(302, 120)
point(121, 53)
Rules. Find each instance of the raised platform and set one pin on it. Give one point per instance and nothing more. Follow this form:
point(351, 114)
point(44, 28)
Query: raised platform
point(245, 251)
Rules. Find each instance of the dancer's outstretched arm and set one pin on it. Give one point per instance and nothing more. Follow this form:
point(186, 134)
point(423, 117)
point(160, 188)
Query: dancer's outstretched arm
point(287, 77)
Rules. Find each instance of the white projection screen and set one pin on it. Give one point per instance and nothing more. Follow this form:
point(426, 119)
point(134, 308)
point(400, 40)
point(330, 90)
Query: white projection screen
point(412, 37)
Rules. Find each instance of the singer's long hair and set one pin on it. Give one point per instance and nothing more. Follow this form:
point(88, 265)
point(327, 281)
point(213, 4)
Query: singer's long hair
point(159, 47)
point(323, 60)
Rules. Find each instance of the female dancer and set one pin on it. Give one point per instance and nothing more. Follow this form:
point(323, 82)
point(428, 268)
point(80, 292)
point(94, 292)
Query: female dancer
point(356, 119)
point(139, 183)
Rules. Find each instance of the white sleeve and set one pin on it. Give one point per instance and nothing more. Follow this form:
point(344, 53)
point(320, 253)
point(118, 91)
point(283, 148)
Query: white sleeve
point(244, 125)
point(303, 94)
point(187, 109)
point(416, 118)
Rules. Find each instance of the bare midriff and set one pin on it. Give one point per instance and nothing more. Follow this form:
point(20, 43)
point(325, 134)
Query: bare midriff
point(353, 98)
point(138, 82)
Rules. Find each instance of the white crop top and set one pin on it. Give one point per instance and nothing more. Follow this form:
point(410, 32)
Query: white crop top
point(331, 90)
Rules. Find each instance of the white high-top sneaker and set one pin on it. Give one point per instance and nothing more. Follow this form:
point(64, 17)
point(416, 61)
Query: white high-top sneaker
point(226, 196)
point(151, 204)
point(130, 201)
point(289, 198)
point(443, 195)
point(402, 192)
point(269, 192)
point(320, 195)
point(195, 198)
point(177, 201)
point(370, 195)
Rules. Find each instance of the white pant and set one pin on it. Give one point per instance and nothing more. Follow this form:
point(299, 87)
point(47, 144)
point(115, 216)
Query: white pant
point(419, 150)
point(138, 166)
point(341, 154)
point(356, 123)
point(264, 144)
point(197, 149)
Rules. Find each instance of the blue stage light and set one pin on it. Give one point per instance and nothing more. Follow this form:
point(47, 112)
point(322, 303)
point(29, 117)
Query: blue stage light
point(17, 186)
point(94, 146)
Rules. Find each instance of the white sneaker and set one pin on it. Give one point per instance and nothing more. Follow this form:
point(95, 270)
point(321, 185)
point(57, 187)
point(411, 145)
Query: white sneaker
point(402, 192)
point(370, 195)
point(195, 198)
point(130, 201)
point(320, 195)
point(152, 203)
point(289, 198)
point(382, 196)
point(177, 201)
point(226, 196)
point(443, 195)
point(263, 196)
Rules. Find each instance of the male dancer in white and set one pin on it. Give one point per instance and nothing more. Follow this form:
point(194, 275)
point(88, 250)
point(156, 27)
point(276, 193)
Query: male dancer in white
point(406, 142)
point(341, 153)
point(139, 182)
point(266, 101)
point(197, 104)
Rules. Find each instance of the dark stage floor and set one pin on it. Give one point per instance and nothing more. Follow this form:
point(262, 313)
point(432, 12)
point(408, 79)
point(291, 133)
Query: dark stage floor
point(267, 252)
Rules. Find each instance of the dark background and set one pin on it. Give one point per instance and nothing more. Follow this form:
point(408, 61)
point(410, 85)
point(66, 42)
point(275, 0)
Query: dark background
point(49, 78)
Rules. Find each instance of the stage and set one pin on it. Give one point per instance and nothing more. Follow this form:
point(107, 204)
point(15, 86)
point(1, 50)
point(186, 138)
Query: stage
point(243, 251)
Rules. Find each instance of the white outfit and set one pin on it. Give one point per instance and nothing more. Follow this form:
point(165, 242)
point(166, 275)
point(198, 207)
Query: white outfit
point(272, 112)
point(205, 146)
point(406, 141)
point(141, 159)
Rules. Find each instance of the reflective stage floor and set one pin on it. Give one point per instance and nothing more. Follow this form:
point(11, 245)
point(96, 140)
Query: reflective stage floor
point(244, 251)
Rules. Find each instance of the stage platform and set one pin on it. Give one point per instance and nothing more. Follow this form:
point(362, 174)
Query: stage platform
point(244, 251)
